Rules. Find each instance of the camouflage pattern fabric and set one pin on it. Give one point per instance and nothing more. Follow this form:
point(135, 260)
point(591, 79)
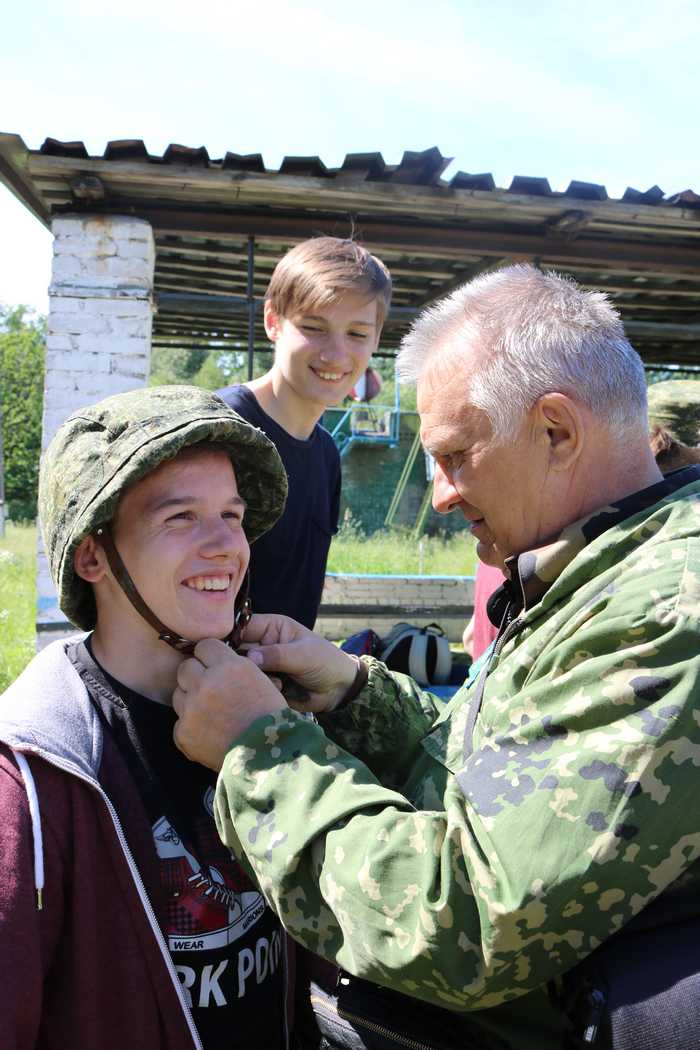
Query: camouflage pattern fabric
point(103, 449)
point(469, 865)
point(675, 404)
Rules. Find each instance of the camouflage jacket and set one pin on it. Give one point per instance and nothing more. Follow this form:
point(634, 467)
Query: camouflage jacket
point(468, 854)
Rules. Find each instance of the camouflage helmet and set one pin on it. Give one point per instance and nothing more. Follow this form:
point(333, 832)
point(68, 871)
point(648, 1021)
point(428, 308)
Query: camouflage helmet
point(101, 450)
point(675, 405)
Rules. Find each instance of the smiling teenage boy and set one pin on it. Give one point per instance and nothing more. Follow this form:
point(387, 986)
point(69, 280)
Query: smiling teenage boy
point(123, 920)
point(324, 311)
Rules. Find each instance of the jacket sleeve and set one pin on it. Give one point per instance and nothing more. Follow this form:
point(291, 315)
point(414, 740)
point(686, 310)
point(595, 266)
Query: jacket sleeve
point(28, 935)
point(385, 723)
point(575, 808)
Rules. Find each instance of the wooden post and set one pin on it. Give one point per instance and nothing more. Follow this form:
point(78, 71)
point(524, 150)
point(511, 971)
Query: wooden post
point(251, 305)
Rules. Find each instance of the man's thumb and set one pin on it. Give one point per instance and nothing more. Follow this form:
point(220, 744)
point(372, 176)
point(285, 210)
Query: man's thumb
point(266, 659)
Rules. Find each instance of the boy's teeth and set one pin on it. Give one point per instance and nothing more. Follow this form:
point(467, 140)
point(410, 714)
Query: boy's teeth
point(330, 375)
point(209, 583)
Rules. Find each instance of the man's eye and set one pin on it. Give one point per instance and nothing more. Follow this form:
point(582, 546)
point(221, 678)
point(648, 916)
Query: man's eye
point(450, 461)
point(183, 515)
point(358, 335)
point(310, 328)
point(234, 515)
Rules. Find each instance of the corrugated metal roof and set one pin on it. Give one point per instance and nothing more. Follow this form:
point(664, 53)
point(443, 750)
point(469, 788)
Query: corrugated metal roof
point(434, 233)
point(416, 168)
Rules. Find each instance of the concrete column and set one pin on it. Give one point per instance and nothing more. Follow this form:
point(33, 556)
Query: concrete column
point(99, 335)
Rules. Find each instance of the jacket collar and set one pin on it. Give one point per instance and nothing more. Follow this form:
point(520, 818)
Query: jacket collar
point(48, 710)
point(533, 572)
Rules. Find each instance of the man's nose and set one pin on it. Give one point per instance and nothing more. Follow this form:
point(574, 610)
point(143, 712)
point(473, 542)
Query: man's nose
point(445, 495)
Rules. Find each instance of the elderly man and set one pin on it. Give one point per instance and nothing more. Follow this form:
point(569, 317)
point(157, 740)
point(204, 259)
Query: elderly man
point(470, 857)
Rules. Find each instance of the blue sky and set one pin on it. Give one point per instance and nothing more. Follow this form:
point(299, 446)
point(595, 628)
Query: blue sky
point(599, 91)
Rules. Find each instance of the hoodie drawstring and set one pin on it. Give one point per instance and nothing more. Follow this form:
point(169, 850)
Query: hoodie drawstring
point(37, 836)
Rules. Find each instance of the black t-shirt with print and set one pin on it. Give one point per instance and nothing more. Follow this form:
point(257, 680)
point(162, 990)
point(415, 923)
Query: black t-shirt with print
point(226, 944)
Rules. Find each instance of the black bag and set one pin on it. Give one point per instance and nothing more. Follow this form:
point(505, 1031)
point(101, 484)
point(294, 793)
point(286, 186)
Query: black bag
point(640, 990)
point(364, 643)
point(359, 1015)
point(422, 652)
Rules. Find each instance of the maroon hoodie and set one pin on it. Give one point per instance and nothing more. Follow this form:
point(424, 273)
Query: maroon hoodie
point(83, 961)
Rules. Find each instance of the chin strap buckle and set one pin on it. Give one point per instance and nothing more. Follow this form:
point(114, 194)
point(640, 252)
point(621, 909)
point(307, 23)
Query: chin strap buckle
point(183, 645)
point(242, 619)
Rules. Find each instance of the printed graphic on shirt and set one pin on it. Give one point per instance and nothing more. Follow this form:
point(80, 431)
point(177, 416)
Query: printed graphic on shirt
point(209, 905)
point(226, 944)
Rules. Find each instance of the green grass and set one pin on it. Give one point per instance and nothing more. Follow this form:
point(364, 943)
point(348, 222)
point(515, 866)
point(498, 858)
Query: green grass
point(17, 600)
point(396, 552)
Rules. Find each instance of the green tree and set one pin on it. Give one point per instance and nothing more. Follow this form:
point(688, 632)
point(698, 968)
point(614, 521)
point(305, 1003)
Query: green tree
point(386, 366)
point(22, 339)
point(210, 367)
point(173, 364)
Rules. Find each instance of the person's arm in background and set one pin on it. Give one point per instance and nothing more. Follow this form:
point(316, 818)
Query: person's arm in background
point(468, 637)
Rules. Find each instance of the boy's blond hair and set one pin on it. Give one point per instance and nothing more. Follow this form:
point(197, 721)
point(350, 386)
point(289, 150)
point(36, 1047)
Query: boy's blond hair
point(323, 269)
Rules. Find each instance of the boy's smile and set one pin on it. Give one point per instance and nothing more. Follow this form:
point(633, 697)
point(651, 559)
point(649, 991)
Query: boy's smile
point(320, 354)
point(180, 534)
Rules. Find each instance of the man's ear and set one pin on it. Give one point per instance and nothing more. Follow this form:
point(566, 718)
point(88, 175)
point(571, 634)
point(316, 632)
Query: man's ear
point(273, 323)
point(89, 560)
point(561, 424)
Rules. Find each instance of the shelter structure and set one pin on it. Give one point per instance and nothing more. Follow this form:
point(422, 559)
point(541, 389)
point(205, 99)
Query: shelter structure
point(177, 249)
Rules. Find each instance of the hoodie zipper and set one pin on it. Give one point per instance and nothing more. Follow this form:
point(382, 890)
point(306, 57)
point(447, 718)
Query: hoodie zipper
point(67, 767)
point(596, 1008)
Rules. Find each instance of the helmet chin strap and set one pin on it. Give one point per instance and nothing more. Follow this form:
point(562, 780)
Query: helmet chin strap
point(242, 607)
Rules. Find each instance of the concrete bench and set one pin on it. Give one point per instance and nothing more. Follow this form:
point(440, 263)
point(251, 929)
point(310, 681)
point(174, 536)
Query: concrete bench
point(352, 602)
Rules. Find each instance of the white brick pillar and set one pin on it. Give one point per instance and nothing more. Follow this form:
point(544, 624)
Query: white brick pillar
point(99, 334)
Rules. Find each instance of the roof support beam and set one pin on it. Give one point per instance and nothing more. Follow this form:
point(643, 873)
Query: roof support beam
point(423, 239)
point(224, 306)
point(251, 189)
point(661, 332)
point(485, 266)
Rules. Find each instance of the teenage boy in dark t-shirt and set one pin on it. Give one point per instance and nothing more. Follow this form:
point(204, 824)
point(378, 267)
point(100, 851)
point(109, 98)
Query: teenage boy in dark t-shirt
point(324, 310)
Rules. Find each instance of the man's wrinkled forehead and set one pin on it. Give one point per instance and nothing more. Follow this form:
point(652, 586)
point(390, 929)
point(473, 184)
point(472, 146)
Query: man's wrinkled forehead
point(447, 415)
point(447, 369)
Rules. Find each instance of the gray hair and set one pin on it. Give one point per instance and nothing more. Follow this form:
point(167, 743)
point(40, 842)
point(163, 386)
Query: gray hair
point(533, 333)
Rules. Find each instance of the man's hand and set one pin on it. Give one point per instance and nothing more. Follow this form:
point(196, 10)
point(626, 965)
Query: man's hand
point(279, 644)
point(218, 695)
